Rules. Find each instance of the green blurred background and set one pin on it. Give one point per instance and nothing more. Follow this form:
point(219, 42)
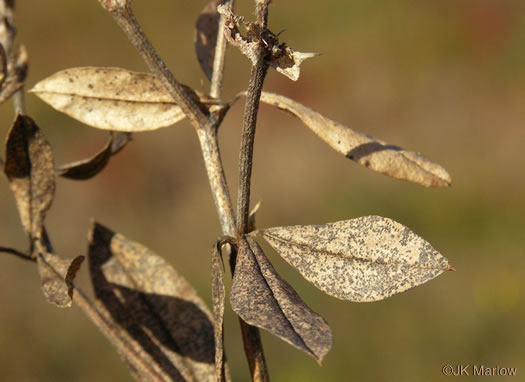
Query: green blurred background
point(446, 78)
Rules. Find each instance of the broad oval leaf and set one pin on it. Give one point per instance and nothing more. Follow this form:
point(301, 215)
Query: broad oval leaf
point(365, 259)
point(375, 154)
point(263, 299)
point(112, 98)
point(30, 170)
point(56, 277)
point(168, 329)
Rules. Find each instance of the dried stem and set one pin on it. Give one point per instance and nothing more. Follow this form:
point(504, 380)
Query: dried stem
point(123, 15)
point(220, 55)
point(250, 334)
point(206, 127)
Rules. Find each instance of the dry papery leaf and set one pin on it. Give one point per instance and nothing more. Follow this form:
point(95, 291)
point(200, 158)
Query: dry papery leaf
point(281, 57)
point(218, 294)
point(375, 154)
point(30, 170)
point(168, 330)
point(365, 259)
point(206, 36)
point(88, 168)
point(56, 277)
point(263, 299)
point(113, 98)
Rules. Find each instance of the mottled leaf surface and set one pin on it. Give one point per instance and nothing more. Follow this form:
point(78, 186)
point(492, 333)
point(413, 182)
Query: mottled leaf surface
point(29, 168)
point(112, 98)
point(365, 259)
point(263, 299)
point(206, 30)
point(56, 277)
point(169, 329)
point(375, 154)
point(88, 168)
point(218, 294)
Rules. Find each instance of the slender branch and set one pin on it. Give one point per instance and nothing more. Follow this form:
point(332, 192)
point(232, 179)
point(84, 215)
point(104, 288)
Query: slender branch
point(123, 15)
point(220, 55)
point(208, 140)
point(17, 253)
point(251, 108)
point(251, 338)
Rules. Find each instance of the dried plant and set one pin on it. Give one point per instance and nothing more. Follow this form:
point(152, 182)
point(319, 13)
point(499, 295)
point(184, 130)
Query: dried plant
point(157, 322)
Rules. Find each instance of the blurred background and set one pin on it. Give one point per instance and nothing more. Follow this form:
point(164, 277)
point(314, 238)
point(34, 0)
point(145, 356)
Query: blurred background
point(446, 78)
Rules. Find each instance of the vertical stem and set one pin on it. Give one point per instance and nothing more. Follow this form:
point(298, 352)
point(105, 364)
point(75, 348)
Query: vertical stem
point(251, 109)
point(220, 55)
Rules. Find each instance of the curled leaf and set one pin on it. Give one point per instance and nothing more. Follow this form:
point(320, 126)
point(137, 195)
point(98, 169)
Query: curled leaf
point(88, 168)
point(168, 329)
point(365, 259)
point(375, 154)
point(263, 299)
point(113, 98)
point(29, 168)
point(205, 36)
point(56, 277)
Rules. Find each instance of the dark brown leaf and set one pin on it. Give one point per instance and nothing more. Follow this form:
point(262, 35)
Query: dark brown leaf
point(56, 277)
point(206, 36)
point(372, 153)
point(29, 167)
point(167, 325)
point(88, 168)
point(261, 298)
point(218, 294)
point(365, 259)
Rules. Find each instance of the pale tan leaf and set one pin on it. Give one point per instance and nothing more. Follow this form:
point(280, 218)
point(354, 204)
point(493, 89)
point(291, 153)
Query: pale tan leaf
point(263, 299)
point(112, 98)
point(56, 276)
point(365, 259)
point(375, 154)
point(168, 326)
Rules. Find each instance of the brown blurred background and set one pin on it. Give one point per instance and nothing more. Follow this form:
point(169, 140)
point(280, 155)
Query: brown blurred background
point(446, 78)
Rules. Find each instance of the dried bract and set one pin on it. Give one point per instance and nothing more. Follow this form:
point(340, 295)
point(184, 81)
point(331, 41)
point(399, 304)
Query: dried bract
point(280, 56)
point(375, 154)
point(56, 277)
point(365, 259)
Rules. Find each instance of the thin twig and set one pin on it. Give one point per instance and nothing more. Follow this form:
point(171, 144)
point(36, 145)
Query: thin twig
point(17, 253)
point(220, 55)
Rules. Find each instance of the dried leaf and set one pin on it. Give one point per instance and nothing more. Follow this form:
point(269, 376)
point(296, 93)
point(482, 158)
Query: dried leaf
point(218, 294)
point(56, 277)
point(113, 98)
point(88, 168)
point(375, 154)
point(30, 171)
point(365, 259)
point(168, 328)
point(206, 36)
point(261, 298)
